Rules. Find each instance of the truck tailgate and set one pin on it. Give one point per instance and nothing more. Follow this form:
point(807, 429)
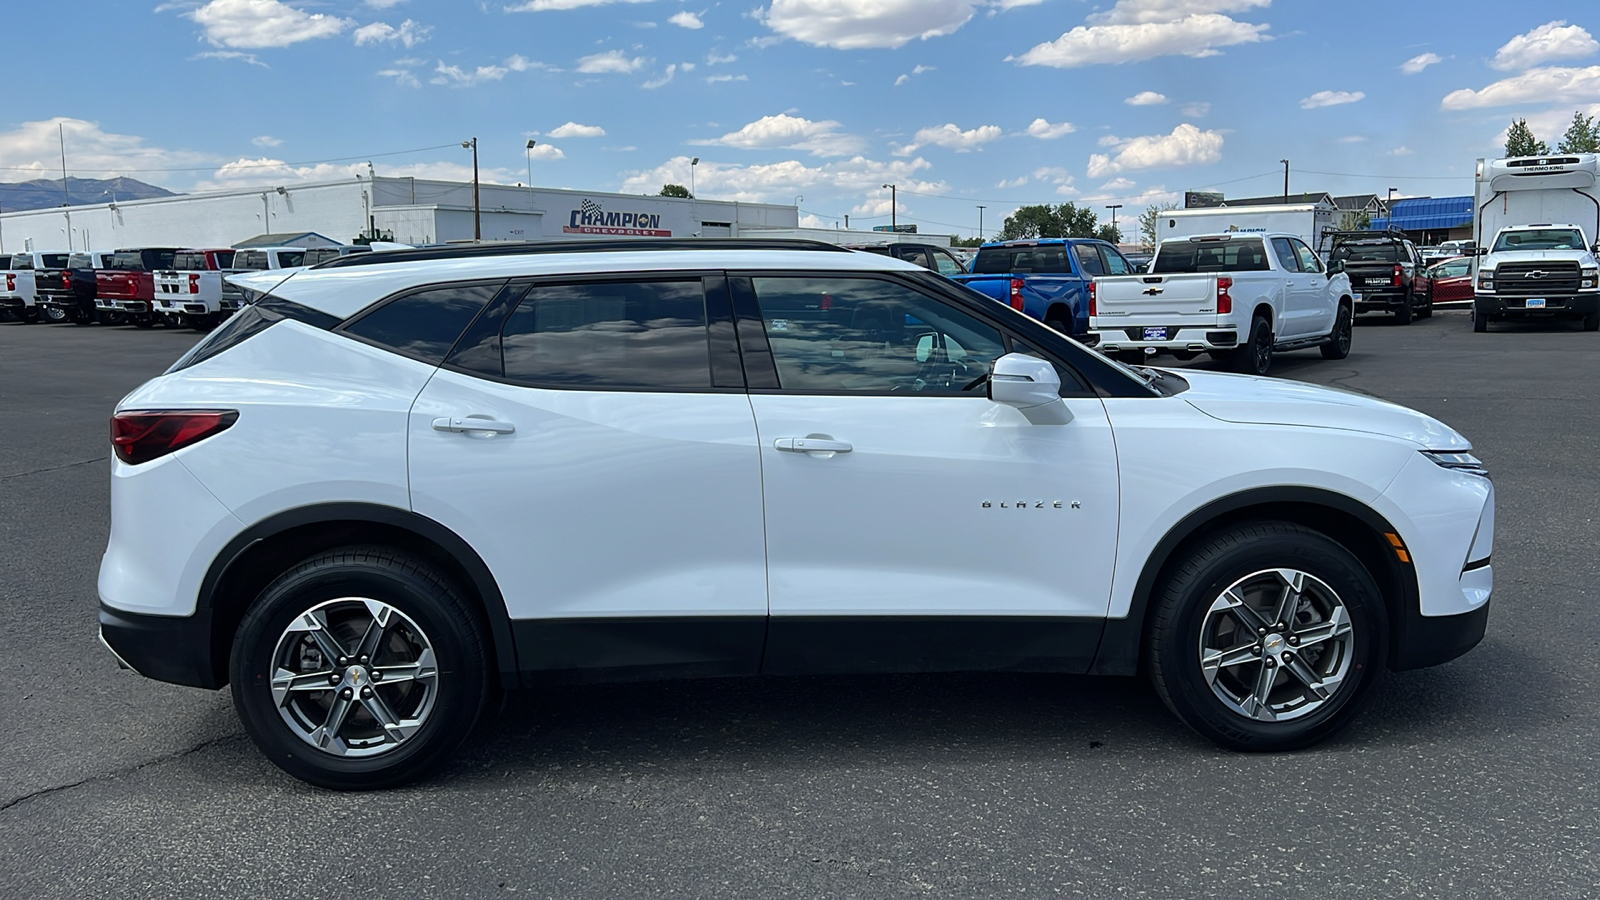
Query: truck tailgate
point(1155, 300)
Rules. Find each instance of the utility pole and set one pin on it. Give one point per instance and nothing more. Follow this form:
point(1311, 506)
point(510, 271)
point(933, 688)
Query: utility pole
point(477, 209)
point(1114, 207)
point(692, 164)
point(1285, 179)
point(894, 207)
point(531, 143)
point(61, 133)
point(980, 221)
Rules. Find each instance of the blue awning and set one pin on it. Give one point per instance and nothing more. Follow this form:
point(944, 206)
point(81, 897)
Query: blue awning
point(1427, 214)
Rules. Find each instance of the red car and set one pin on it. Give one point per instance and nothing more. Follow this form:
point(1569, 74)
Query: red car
point(1452, 280)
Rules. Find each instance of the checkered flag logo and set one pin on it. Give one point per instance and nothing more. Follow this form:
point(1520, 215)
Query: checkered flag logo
point(589, 208)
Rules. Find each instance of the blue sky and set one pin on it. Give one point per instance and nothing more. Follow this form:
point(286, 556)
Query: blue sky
point(958, 102)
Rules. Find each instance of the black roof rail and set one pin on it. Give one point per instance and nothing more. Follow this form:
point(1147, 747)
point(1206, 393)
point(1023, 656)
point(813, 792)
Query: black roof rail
point(522, 248)
point(1393, 231)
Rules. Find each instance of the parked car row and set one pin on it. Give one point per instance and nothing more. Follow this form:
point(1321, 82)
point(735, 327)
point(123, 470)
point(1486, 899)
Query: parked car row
point(140, 286)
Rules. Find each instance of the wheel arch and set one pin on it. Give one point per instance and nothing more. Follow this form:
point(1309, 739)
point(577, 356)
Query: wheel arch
point(1350, 523)
point(266, 549)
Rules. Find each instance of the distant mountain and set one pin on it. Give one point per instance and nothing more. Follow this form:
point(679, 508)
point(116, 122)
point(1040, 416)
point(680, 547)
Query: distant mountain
point(43, 193)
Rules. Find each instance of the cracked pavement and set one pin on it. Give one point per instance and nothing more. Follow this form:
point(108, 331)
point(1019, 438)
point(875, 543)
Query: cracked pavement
point(1473, 779)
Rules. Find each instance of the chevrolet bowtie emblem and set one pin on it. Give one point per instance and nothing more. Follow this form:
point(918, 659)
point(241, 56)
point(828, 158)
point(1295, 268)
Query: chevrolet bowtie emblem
point(1152, 291)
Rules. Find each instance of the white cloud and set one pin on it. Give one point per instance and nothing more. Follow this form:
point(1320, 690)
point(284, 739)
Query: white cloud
point(1136, 12)
point(784, 131)
point(660, 80)
point(1185, 146)
point(1059, 177)
point(717, 59)
point(1146, 98)
point(915, 71)
point(574, 130)
point(250, 58)
point(1197, 35)
point(782, 180)
point(266, 140)
point(1549, 85)
point(1018, 181)
point(1196, 110)
point(686, 19)
point(548, 5)
point(951, 137)
point(455, 76)
point(719, 79)
point(546, 152)
point(382, 4)
point(1401, 151)
point(901, 80)
point(1045, 131)
point(402, 77)
point(263, 23)
point(1331, 98)
point(1118, 184)
point(264, 171)
point(1550, 124)
point(611, 62)
point(30, 150)
point(1550, 41)
point(1419, 62)
point(861, 24)
point(1353, 139)
point(409, 33)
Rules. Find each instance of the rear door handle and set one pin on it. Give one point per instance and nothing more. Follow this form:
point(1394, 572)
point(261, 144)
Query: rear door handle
point(472, 425)
point(811, 445)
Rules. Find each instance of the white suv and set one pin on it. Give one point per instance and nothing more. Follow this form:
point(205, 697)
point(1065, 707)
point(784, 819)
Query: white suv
point(398, 483)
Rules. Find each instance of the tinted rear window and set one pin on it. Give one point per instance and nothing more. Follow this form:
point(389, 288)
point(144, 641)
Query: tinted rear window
point(189, 262)
point(1048, 260)
point(129, 262)
point(313, 257)
point(20, 261)
point(250, 259)
point(425, 324)
point(55, 260)
point(290, 258)
point(1375, 252)
point(80, 261)
point(1178, 257)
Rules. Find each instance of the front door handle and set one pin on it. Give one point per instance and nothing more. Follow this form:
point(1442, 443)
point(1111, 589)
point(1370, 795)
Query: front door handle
point(811, 445)
point(472, 425)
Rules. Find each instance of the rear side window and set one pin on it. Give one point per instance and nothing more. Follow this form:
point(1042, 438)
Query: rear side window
point(264, 313)
point(1089, 259)
point(639, 334)
point(224, 259)
point(189, 262)
point(1049, 260)
point(288, 259)
point(21, 262)
point(424, 325)
point(1178, 257)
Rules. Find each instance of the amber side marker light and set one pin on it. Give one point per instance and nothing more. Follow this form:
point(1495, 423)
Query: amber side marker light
point(1399, 547)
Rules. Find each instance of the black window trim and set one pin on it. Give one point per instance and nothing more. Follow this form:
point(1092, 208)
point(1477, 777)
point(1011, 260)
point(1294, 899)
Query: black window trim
point(714, 345)
point(763, 379)
point(342, 329)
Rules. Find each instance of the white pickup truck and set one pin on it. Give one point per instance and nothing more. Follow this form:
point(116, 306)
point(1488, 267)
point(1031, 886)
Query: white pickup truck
point(193, 293)
point(20, 276)
point(1238, 297)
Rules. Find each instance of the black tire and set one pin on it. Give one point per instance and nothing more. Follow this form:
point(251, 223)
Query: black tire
point(143, 322)
point(1404, 314)
point(1427, 307)
point(1061, 323)
point(1338, 345)
point(1591, 322)
point(1254, 356)
point(53, 314)
point(1480, 322)
point(1129, 357)
point(1183, 617)
point(421, 602)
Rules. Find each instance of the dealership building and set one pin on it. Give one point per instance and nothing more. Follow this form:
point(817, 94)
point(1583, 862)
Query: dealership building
point(408, 210)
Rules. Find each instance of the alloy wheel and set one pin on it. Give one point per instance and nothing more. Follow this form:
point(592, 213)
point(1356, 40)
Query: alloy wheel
point(1276, 645)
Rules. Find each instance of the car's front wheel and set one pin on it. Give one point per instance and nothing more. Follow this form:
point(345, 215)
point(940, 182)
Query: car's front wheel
point(1268, 636)
point(359, 669)
point(1338, 345)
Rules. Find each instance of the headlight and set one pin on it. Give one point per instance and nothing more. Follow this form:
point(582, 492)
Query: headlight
point(1486, 281)
point(1588, 278)
point(1460, 462)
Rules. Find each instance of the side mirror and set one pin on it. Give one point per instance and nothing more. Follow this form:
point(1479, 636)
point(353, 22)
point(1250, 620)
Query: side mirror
point(1478, 251)
point(1335, 267)
point(1595, 248)
point(1031, 386)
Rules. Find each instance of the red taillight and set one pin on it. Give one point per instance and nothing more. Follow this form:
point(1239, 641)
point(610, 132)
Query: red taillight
point(194, 284)
point(827, 301)
point(1397, 273)
point(11, 282)
point(1224, 301)
point(66, 280)
point(143, 435)
point(1093, 300)
point(1016, 294)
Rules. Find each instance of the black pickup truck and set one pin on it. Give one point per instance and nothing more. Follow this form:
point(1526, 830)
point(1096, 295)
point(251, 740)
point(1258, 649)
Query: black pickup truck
point(1386, 273)
point(70, 297)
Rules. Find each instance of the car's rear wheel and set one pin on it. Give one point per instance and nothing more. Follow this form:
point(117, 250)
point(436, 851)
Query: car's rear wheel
point(1254, 356)
point(1404, 314)
point(359, 669)
point(1480, 321)
point(1059, 320)
point(53, 314)
point(1338, 345)
point(1268, 636)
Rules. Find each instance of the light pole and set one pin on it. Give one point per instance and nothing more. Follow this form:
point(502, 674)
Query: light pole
point(477, 210)
point(894, 207)
point(530, 163)
point(1114, 207)
point(1285, 179)
point(692, 164)
point(1388, 209)
point(980, 221)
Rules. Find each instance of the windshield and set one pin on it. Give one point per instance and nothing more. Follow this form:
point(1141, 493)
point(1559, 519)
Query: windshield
point(1050, 260)
point(1185, 256)
point(1539, 239)
point(250, 259)
point(1385, 251)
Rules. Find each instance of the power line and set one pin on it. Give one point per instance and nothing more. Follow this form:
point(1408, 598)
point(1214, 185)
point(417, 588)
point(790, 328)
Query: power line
point(1389, 177)
point(1096, 199)
point(277, 165)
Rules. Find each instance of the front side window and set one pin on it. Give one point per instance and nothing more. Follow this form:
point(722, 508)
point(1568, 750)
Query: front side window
point(947, 264)
point(1116, 263)
point(1308, 260)
point(917, 256)
point(846, 335)
point(634, 334)
point(1286, 254)
point(425, 324)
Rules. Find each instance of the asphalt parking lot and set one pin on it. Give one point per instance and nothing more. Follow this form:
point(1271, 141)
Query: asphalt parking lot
point(1474, 779)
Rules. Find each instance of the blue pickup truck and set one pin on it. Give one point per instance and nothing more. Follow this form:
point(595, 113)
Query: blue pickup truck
point(1047, 278)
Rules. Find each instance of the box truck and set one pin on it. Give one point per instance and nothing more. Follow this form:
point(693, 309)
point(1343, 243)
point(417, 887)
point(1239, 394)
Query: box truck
point(1310, 222)
point(1537, 224)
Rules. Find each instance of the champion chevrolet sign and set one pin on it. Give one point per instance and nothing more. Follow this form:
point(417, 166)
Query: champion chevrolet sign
point(589, 218)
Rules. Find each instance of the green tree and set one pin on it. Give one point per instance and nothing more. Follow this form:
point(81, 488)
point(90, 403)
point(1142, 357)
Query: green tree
point(1109, 233)
point(1150, 224)
point(1521, 142)
point(1581, 136)
point(1046, 221)
point(1355, 221)
point(969, 242)
point(676, 190)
